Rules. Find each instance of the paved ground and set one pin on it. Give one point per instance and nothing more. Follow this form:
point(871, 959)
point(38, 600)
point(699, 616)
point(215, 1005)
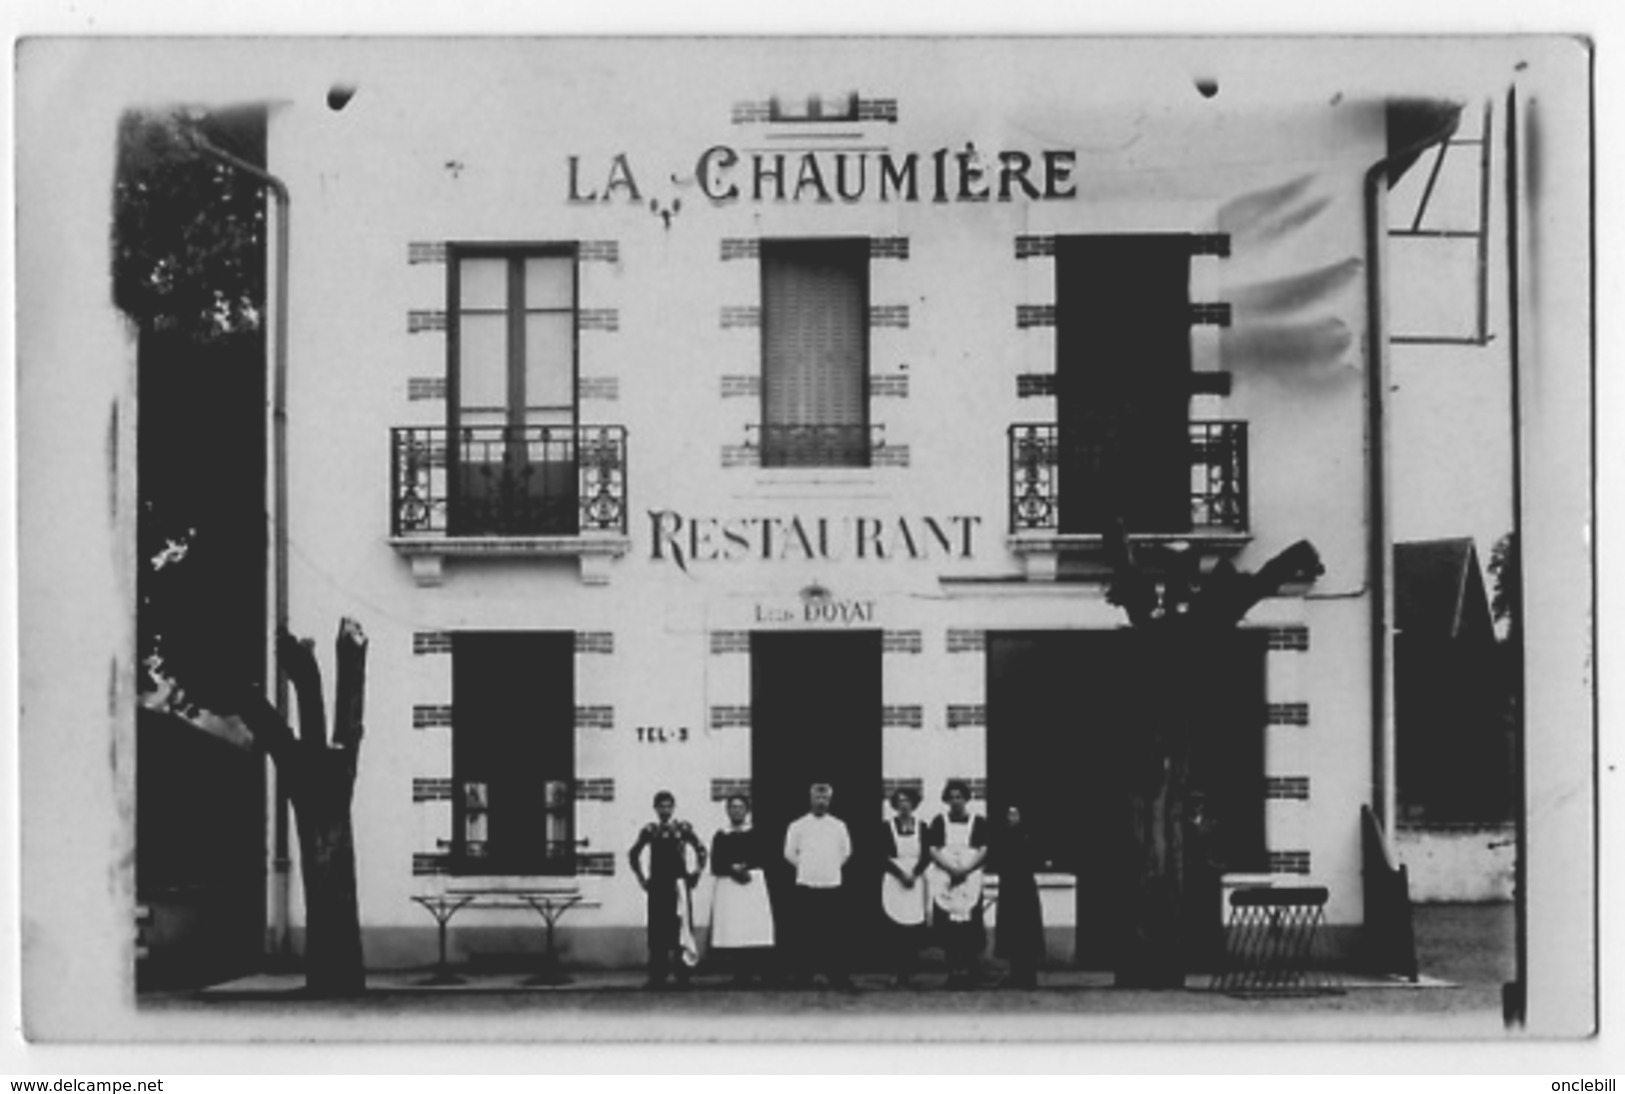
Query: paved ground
point(1465, 954)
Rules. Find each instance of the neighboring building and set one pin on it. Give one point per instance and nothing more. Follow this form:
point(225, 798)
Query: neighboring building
point(1454, 725)
point(672, 422)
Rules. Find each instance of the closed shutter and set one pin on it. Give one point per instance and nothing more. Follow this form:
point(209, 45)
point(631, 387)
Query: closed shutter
point(815, 304)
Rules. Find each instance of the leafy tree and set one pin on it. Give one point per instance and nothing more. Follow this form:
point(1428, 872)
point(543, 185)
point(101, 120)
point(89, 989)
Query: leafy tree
point(188, 230)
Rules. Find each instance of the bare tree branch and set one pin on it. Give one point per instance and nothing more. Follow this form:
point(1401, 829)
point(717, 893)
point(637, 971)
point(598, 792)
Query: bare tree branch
point(349, 696)
point(298, 658)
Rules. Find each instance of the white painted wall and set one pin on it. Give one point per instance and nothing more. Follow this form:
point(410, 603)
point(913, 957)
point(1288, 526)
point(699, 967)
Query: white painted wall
point(1283, 178)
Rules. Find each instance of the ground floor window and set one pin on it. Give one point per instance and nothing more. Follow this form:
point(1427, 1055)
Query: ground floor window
point(513, 752)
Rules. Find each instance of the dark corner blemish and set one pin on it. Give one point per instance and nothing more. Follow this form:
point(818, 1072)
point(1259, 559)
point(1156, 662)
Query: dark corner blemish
point(339, 96)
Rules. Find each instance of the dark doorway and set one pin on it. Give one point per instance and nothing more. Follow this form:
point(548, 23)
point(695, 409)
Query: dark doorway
point(1063, 709)
point(1123, 363)
point(816, 717)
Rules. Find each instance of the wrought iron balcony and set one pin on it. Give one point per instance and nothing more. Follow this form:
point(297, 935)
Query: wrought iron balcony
point(508, 481)
point(815, 445)
point(1063, 483)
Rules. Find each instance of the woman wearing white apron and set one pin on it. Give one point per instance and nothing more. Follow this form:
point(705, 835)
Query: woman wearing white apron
point(902, 890)
point(956, 842)
point(741, 913)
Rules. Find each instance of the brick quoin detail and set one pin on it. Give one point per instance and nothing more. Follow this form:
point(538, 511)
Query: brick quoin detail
point(1288, 714)
point(606, 319)
point(607, 388)
point(595, 790)
point(961, 715)
point(1032, 384)
point(889, 247)
point(424, 642)
point(721, 789)
point(1210, 315)
point(889, 455)
point(424, 864)
point(735, 249)
point(600, 250)
point(595, 641)
point(1289, 862)
point(888, 386)
point(740, 455)
point(902, 642)
point(1035, 246)
point(431, 790)
point(1034, 315)
point(730, 642)
point(595, 864)
point(877, 110)
point(421, 253)
point(889, 315)
point(430, 717)
point(902, 716)
point(730, 717)
point(966, 641)
point(595, 716)
point(1287, 788)
point(1288, 638)
point(419, 388)
point(741, 317)
point(737, 387)
point(419, 321)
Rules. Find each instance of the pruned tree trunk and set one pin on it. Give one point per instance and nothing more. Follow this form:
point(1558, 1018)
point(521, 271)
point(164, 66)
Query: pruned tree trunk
point(1183, 617)
point(1152, 953)
point(320, 782)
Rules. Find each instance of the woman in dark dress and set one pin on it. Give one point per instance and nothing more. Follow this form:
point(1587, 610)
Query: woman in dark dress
point(1018, 935)
point(741, 913)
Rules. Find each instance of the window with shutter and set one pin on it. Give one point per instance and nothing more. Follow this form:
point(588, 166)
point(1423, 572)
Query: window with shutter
point(815, 353)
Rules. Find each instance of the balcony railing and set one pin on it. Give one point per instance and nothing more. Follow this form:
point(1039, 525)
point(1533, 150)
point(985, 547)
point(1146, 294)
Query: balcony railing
point(530, 480)
point(1107, 478)
point(815, 445)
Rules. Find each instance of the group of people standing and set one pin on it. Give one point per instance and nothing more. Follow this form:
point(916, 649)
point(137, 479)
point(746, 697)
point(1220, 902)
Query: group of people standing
point(930, 890)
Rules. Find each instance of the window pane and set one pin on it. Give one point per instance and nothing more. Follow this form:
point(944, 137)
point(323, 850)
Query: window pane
point(550, 282)
point(483, 283)
point(482, 362)
point(549, 358)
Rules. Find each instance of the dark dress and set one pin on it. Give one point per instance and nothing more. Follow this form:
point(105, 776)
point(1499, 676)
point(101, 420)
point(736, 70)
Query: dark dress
point(1018, 936)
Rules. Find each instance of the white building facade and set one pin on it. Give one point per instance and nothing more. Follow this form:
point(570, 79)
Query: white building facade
point(721, 417)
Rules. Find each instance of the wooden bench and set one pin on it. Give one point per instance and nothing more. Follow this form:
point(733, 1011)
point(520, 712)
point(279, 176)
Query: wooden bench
point(550, 904)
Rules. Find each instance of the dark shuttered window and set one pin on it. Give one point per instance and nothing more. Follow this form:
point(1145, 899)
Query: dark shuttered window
point(815, 353)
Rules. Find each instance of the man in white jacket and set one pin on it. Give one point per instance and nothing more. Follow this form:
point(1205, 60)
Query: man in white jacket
point(818, 846)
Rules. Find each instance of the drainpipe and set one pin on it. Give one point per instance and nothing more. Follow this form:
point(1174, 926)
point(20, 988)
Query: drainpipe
point(281, 862)
point(1379, 547)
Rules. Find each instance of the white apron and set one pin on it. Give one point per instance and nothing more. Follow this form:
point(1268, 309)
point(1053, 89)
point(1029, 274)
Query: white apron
point(905, 905)
point(741, 914)
point(958, 901)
